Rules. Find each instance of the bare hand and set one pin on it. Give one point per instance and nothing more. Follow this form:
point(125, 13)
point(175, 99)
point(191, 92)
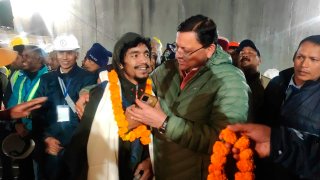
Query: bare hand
point(21, 129)
point(24, 109)
point(148, 115)
point(146, 167)
point(52, 146)
point(258, 133)
point(81, 103)
point(129, 115)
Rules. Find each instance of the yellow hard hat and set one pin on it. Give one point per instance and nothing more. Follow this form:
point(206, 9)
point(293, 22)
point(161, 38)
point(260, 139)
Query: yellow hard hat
point(18, 40)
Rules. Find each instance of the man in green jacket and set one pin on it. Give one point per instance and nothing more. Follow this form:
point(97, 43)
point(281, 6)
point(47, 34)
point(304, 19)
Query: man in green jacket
point(200, 92)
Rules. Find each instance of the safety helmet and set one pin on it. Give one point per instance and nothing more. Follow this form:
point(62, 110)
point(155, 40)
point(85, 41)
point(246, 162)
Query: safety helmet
point(17, 147)
point(18, 40)
point(65, 43)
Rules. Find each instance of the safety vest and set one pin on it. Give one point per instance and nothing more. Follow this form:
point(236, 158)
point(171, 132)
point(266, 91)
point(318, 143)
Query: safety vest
point(32, 92)
point(14, 78)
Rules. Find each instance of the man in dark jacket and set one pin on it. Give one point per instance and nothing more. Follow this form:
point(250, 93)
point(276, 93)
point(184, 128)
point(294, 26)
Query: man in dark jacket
point(292, 99)
point(96, 150)
point(200, 92)
point(296, 150)
point(24, 89)
point(56, 121)
point(249, 61)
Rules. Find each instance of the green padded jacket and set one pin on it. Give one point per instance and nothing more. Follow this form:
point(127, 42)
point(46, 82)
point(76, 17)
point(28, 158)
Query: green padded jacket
point(216, 96)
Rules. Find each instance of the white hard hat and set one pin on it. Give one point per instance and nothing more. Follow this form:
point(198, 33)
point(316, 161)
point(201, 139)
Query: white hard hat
point(65, 43)
point(17, 147)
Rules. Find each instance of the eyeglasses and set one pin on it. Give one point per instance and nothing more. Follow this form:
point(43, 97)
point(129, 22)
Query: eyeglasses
point(188, 54)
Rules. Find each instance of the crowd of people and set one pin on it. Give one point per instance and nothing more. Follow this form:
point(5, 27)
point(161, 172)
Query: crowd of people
point(95, 121)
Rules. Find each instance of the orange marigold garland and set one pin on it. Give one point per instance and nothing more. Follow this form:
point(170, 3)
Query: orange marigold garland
point(141, 131)
point(218, 158)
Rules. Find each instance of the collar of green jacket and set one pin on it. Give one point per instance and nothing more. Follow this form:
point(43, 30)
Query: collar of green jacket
point(219, 57)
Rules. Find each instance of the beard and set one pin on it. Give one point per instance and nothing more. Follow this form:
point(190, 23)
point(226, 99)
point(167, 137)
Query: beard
point(141, 80)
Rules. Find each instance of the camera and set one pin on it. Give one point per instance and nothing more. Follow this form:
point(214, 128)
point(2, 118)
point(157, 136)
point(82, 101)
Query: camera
point(149, 99)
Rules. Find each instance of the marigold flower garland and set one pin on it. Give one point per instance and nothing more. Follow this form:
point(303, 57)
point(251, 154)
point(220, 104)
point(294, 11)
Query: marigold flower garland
point(245, 163)
point(141, 131)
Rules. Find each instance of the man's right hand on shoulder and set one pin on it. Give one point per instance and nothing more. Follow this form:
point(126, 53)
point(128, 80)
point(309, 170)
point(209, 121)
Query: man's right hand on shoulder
point(81, 103)
point(52, 146)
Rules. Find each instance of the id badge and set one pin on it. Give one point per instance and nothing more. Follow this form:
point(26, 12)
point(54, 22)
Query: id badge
point(63, 113)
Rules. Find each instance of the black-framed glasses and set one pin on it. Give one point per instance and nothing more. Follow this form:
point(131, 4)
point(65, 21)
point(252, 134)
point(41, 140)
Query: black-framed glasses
point(188, 54)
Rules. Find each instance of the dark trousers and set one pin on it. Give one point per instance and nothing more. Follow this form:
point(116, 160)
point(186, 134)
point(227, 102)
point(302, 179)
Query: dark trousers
point(7, 171)
point(26, 169)
point(53, 166)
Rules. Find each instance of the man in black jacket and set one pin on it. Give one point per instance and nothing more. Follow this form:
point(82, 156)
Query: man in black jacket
point(292, 99)
point(249, 62)
point(96, 151)
point(296, 150)
point(56, 121)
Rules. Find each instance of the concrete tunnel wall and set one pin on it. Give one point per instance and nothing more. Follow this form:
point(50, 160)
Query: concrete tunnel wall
point(275, 26)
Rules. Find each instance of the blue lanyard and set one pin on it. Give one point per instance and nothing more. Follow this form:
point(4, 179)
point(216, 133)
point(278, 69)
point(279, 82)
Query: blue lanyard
point(66, 89)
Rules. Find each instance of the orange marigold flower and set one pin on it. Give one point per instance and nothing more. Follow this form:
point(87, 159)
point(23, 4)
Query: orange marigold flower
point(219, 157)
point(132, 136)
point(218, 162)
point(145, 133)
point(123, 123)
point(246, 154)
point(242, 143)
point(123, 130)
point(218, 172)
point(212, 176)
point(126, 137)
point(115, 96)
point(211, 168)
point(142, 128)
point(216, 159)
point(145, 140)
point(220, 148)
point(244, 176)
point(245, 165)
point(228, 136)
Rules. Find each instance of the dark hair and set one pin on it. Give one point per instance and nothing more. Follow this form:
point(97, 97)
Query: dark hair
point(37, 50)
point(314, 39)
point(203, 26)
point(132, 44)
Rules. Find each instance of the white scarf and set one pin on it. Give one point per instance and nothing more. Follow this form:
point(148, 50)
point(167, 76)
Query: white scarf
point(102, 147)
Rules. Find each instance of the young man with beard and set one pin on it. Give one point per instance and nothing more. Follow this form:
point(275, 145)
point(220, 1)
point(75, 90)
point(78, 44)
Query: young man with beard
point(200, 92)
point(96, 150)
point(56, 120)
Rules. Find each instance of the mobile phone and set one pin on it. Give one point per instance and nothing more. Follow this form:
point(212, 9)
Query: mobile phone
point(149, 99)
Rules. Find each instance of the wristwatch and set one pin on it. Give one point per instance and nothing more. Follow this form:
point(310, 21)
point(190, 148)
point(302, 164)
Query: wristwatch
point(163, 127)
